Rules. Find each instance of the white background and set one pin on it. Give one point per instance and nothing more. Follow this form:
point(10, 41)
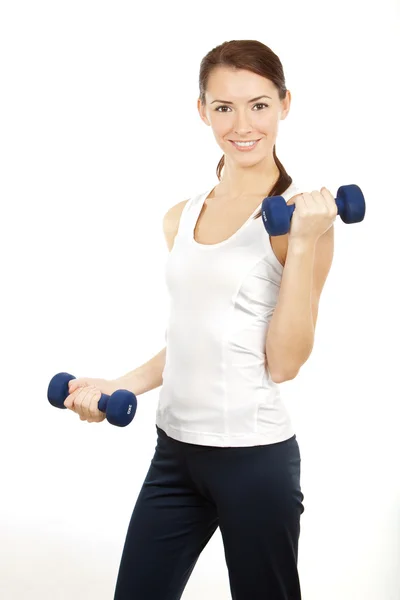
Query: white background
point(100, 135)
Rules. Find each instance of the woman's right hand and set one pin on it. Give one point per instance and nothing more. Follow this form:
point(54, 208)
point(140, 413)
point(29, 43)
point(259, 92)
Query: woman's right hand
point(84, 396)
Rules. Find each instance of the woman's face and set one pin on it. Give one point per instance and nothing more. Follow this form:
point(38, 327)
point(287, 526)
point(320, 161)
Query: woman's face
point(245, 119)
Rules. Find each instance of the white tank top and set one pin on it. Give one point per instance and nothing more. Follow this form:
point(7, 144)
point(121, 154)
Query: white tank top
point(216, 387)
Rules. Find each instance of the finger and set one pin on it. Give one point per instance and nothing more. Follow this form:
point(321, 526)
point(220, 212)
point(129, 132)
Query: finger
point(93, 408)
point(81, 393)
point(69, 401)
point(303, 203)
point(91, 404)
point(319, 203)
point(75, 384)
point(329, 200)
point(87, 394)
point(317, 199)
point(72, 386)
point(293, 200)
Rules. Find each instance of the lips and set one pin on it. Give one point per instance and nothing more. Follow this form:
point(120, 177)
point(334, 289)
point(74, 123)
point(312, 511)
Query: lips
point(245, 141)
point(245, 148)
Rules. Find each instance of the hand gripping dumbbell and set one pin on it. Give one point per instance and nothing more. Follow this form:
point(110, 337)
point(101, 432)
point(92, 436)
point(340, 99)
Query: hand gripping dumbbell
point(120, 407)
point(277, 214)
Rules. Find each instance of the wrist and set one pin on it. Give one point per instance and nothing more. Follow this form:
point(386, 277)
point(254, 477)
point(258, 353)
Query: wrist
point(130, 382)
point(300, 245)
point(110, 386)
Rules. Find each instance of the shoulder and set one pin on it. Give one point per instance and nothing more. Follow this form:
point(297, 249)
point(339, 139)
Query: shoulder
point(171, 221)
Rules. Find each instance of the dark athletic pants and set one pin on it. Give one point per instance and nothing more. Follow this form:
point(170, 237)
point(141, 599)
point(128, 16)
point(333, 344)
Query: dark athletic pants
point(252, 493)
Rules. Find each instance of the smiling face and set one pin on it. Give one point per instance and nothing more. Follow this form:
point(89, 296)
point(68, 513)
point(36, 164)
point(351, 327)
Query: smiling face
point(243, 106)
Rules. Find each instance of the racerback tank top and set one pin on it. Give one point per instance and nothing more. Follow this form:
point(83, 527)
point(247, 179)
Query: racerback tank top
point(216, 387)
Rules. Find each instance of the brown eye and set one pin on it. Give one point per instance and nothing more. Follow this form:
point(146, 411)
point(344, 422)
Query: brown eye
point(225, 106)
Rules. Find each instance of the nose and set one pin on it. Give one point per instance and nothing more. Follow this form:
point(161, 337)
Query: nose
point(242, 126)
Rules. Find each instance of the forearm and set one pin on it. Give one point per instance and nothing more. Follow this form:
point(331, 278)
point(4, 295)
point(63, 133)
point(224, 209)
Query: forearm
point(143, 379)
point(290, 335)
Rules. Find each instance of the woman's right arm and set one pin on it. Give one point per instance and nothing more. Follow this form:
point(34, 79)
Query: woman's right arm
point(149, 375)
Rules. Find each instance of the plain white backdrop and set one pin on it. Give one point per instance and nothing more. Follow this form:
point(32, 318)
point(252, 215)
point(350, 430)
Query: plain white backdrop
point(100, 135)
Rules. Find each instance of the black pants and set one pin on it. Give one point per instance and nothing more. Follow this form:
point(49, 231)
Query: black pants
point(252, 493)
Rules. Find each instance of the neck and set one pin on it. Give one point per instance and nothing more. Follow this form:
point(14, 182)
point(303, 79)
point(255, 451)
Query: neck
point(255, 180)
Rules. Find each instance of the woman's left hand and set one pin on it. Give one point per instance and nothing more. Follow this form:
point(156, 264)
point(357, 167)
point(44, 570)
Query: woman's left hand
point(314, 214)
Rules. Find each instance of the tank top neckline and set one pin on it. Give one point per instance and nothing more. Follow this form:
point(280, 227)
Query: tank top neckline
point(203, 198)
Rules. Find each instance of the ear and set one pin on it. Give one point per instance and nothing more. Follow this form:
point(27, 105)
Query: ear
point(202, 112)
point(285, 105)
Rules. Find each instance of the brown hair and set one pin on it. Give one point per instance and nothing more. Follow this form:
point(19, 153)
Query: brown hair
point(258, 58)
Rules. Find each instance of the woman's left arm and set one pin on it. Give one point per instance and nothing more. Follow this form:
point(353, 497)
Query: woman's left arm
point(290, 336)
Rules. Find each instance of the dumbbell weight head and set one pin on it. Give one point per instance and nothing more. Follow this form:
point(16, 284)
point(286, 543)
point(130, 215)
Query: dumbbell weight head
point(276, 216)
point(351, 204)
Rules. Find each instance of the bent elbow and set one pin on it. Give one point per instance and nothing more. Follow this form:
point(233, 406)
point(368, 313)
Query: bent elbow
point(281, 377)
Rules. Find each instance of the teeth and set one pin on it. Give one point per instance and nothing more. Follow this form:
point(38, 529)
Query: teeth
point(245, 143)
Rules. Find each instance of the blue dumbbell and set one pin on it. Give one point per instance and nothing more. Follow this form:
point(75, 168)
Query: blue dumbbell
point(277, 214)
point(120, 407)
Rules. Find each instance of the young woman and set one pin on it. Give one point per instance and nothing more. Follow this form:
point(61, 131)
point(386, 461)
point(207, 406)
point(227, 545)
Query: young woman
point(243, 313)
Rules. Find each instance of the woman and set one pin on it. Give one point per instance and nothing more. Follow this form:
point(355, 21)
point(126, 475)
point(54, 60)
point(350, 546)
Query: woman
point(243, 314)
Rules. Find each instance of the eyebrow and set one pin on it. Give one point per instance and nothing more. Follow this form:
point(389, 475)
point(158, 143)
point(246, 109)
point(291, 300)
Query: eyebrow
point(252, 100)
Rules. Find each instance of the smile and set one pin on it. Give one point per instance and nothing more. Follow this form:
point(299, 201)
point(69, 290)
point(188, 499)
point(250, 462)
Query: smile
point(244, 146)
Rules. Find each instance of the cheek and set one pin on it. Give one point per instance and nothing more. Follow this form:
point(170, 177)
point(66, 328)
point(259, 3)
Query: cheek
point(221, 132)
point(221, 126)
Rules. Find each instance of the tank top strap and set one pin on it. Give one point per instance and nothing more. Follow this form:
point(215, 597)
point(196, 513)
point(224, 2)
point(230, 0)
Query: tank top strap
point(190, 213)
